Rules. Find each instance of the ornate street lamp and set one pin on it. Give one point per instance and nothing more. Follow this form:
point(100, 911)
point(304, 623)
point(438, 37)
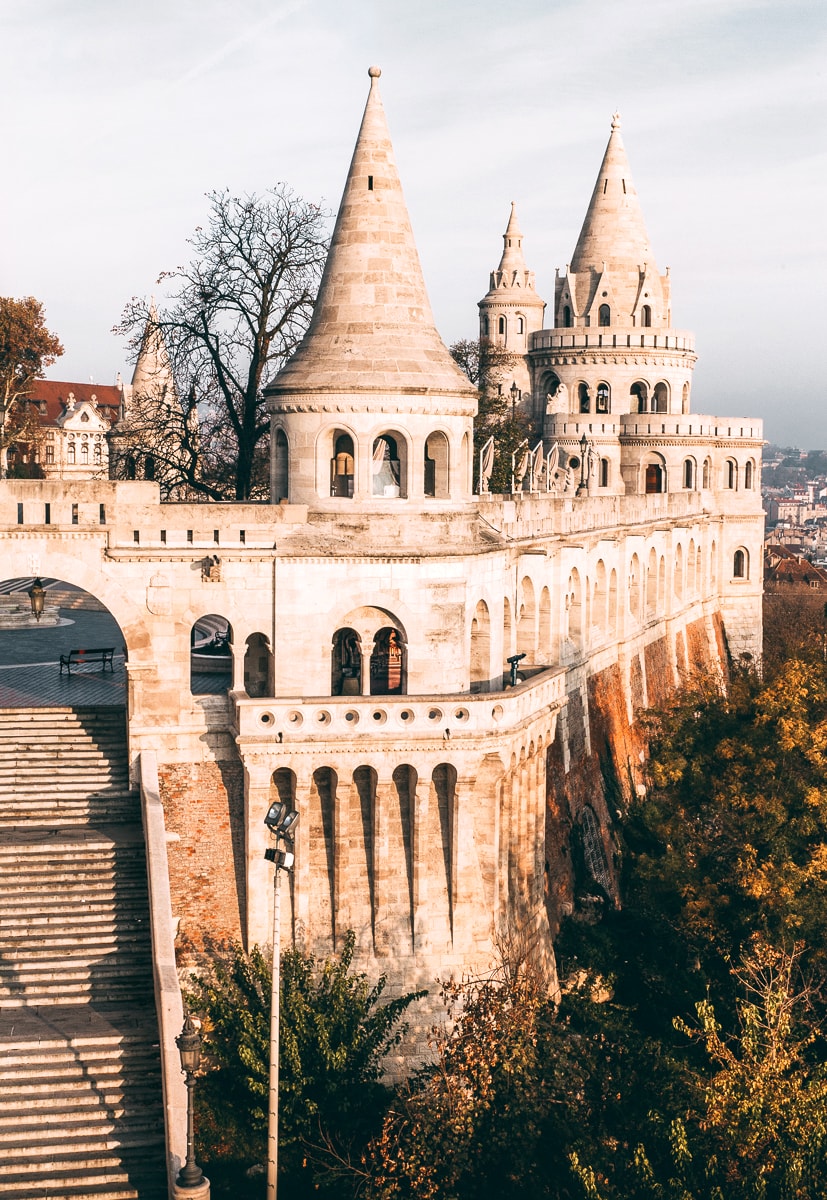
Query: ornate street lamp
point(584, 480)
point(189, 1047)
point(37, 597)
point(281, 824)
point(516, 395)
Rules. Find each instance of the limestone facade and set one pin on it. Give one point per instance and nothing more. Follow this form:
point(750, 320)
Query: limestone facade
point(372, 607)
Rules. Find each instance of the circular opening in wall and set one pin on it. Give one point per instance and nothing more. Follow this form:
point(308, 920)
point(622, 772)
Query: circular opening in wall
point(497, 712)
point(266, 718)
point(379, 716)
point(461, 714)
point(353, 717)
point(406, 715)
point(435, 714)
point(323, 717)
point(574, 462)
point(295, 719)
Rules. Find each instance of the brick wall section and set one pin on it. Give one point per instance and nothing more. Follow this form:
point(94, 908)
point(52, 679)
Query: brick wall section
point(660, 674)
point(204, 805)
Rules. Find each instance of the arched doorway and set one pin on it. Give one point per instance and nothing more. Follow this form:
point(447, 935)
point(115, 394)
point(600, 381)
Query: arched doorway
point(387, 664)
point(211, 655)
point(258, 666)
point(346, 663)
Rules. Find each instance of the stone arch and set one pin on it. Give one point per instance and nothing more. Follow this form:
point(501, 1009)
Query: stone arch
point(211, 655)
point(544, 630)
point(567, 319)
point(584, 399)
point(646, 316)
point(706, 475)
point(443, 795)
point(685, 398)
point(603, 398)
point(740, 564)
point(713, 565)
point(612, 609)
point(574, 605)
point(481, 648)
point(639, 396)
point(436, 465)
point(527, 619)
point(689, 473)
point(604, 473)
point(258, 666)
point(467, 463)
point(319, 815)
point(652, 583)
point(662, 594)
point(731, 474)
point(691, 578)
point(336, 458)
point(660, 398)
point(599, 614)
point(283, 787)
point(281, 467)
point(389, 465)
point(635, 587)
point(508, 629)
point(346, 663)
point(749, 473)
point(654, 473)
point(604, 315)
point(388, 665)
point(699, 569)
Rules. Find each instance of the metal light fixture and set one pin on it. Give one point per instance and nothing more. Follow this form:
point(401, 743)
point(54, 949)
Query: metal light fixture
point(189, 1048)
point(37, 597)
point(515, 396)
point(584, 450)
point(281, 822)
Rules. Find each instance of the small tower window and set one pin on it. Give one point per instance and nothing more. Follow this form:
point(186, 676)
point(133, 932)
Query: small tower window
point(748, 475)
point(604, 472)
point(730, 474)
point(646, 316)
point(566, 317)
point(583, 395)
point(486, 326)
point(370, 183)
point(501, 326)
point(602, 398)
point(520, 325)
point(688, 473)
point(739, 565)
point(604, 315)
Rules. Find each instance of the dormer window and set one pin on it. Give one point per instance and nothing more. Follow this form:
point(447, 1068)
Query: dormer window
point(604, 315)
point(84, 417)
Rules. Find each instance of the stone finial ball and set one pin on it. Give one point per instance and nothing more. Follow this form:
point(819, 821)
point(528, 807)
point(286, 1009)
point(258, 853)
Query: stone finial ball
point(374, 72)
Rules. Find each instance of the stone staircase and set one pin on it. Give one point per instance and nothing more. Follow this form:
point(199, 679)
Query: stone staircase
point(81, 1111)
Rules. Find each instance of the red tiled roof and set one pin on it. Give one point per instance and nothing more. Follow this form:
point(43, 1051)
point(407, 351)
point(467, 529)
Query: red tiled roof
point(107, 397)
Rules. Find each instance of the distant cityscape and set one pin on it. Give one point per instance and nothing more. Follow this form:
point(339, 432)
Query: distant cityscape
point(794, 490)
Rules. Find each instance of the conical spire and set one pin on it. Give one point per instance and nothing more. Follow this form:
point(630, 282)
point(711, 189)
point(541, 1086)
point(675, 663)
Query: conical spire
point(153, 372)
point(372, 329)
point(512, 259)
point(613, 232)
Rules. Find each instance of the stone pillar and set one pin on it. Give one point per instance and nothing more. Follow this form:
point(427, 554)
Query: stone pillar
point(420, 802)
point(238, 666)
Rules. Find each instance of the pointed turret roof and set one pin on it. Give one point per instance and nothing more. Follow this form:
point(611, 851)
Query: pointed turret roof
point(512, 259)
point(372, 328)
point(153, 371)
point(613, 232)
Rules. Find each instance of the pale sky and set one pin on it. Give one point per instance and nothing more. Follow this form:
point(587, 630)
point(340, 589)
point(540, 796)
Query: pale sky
point(119, 116)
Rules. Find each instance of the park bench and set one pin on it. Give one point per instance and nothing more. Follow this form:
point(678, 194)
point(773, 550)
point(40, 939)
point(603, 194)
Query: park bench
point(79, 658)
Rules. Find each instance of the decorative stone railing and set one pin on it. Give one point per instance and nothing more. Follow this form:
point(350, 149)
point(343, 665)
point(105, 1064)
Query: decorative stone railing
point(389, 718)
point(608, 338)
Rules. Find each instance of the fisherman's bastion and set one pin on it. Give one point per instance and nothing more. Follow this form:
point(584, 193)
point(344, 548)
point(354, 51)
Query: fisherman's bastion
point(442, 680)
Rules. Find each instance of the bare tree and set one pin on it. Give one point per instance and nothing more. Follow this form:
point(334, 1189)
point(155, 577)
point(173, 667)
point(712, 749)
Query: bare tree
point(488, 366)
point(236, 313)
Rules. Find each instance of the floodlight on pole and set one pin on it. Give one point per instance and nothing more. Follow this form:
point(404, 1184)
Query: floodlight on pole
point(282, 823)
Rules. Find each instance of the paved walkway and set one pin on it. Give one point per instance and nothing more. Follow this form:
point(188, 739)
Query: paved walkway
point(30, 664)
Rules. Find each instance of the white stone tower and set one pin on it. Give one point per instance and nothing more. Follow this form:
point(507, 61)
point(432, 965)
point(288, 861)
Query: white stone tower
point(613, 349)
point(511, 311)
point(371, 409)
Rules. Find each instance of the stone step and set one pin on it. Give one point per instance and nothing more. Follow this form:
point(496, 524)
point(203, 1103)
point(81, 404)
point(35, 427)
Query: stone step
point(74, 992)
point(80, 1184)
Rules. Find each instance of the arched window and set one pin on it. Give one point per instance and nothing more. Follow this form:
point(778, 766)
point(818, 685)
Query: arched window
point(584, 398)
point(486, 327)
point(706, 474)
point(501, 326)
point(258, 673)
point(748, 473)
point(389, 466)
point(342, 466)
point(526, 621)
point(387, 664)
point(70, 454)
point(436, 466)
point(646, 316)
point(211, 656)
point(149, 467)
point(574, 604)
point(508, 632)
point(740, 565)
point(638, 392)
point(654, 481)
point(97, 453)
point(601, 404)
point(566, 317)
point(689, 473)
point(480, 648)
point(604, 315)
point(685, 398)
point(634, 589)
point(603, 477)
point(346, 664)
point(730, 474)
point(660, 398)
point(520, 325)
point(280, 467)
point(84, 453)
point(131, 466)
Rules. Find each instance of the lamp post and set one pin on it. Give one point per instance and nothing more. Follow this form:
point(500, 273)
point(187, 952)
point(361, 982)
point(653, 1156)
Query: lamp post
point(584, 480)
point(189, 1047)
point(37, 597)
point(281, 823)
point(516, 395)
